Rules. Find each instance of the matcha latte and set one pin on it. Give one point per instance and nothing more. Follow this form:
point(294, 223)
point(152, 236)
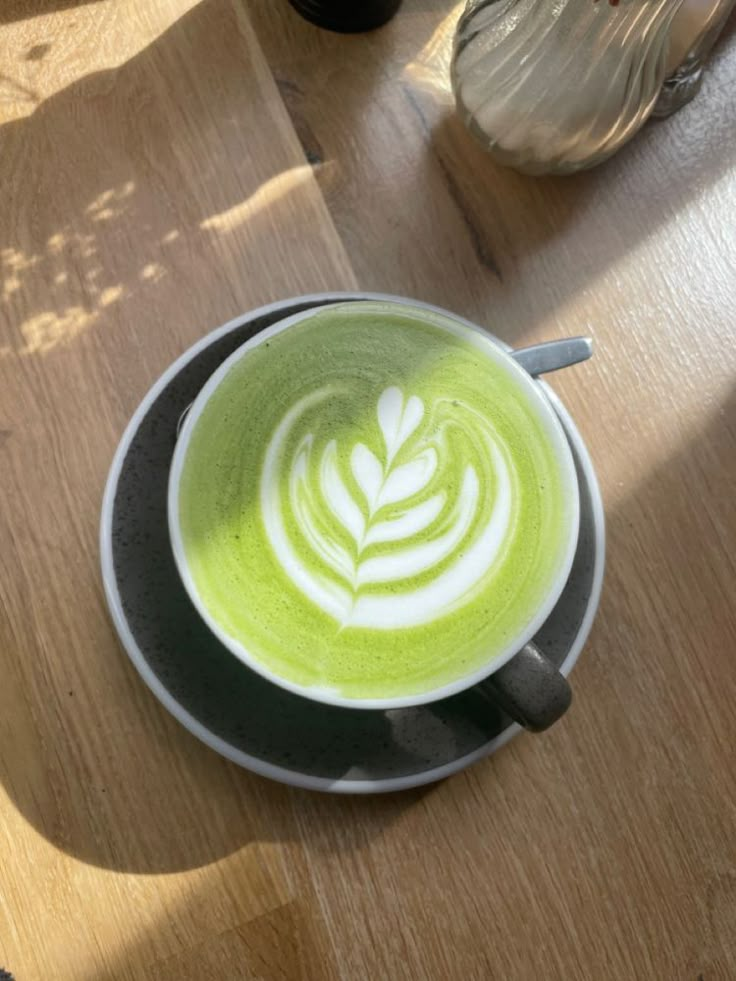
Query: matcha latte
point(371, 504)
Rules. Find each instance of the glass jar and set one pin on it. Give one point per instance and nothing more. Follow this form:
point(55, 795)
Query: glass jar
point(554, 86)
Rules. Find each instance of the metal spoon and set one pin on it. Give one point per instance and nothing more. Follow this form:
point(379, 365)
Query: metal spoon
point(538, 359)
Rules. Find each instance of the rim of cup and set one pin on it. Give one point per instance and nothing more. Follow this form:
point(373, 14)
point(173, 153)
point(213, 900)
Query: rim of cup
point(545, 413)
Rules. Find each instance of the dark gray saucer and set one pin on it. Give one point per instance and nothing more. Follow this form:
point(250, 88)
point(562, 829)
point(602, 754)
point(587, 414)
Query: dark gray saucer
point(237, 712)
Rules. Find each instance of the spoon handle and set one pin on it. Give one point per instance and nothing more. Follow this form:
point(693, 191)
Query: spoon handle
point(541, 358)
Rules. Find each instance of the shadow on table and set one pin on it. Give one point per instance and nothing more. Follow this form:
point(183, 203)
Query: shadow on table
point(443, 220)
point(90, 759)
point(92, 762)
point(12, 10)
point(290, 939)
point(658, 680)
point(666, 634)
point(633, 697)
point(661, 172)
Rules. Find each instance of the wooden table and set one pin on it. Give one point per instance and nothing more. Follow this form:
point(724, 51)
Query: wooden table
point(165, 166)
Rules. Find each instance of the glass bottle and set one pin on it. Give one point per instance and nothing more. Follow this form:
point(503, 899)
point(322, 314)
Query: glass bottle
point(554, 86)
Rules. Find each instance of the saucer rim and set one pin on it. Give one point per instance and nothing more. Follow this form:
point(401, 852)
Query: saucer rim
point(215, 742)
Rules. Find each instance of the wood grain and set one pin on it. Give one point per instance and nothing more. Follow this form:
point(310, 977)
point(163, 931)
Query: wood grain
point(166, 166)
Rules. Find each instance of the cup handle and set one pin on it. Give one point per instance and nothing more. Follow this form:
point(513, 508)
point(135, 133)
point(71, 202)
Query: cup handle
point(530, 689)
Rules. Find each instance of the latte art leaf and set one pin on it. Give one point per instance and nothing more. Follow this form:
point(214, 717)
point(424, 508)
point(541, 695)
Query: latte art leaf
point(398, 421)
point(338, 496)
point(409, 522)
point(393, 540)
point(368, 474)
point(408, 479)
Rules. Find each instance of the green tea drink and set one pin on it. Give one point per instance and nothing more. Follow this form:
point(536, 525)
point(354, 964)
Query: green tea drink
point(374, 503)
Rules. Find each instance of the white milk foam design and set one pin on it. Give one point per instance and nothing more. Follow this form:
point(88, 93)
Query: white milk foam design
point(462, 548)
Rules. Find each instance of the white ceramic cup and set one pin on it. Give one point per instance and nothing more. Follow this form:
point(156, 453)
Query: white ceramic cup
point(527, 686)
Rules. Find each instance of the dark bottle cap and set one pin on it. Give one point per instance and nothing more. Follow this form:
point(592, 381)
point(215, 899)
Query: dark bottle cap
point(347, 16)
